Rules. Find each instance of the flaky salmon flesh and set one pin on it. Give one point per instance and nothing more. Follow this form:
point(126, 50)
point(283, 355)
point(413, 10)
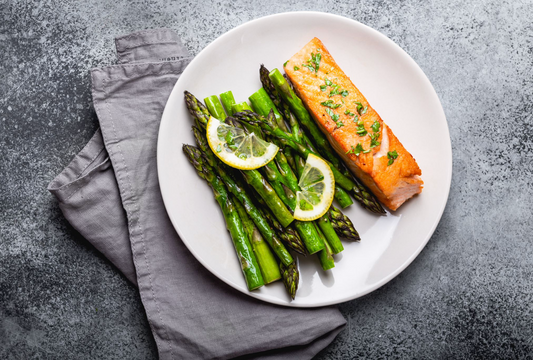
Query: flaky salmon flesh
point(354, 129)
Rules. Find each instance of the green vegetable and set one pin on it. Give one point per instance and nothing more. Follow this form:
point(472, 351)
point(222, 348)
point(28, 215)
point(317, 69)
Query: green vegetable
point(392, 155)
point(228, 101)
point(215, 107)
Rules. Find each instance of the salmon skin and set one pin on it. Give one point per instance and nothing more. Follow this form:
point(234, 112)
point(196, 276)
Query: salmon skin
point(354, 129)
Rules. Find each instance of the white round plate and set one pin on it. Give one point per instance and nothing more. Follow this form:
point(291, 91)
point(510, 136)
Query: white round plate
point(393, 84)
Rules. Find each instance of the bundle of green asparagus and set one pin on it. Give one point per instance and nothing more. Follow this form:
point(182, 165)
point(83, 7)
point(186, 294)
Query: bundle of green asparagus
point(258, 204)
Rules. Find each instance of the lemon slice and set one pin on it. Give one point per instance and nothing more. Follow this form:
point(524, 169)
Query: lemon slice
point(237, 148)
point(318, 187)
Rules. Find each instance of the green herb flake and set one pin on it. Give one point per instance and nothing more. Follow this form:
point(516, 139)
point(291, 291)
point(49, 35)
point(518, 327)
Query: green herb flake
point(296, 68)
point(375, 126)
point(361, 131)
point(374, 140)
point(334, 117)
point(219, 149)
point(323, 88)
point(330, 104)
point(328, 82)
point(340, 124)
point(285, 63)
point(344, 93)
point(357, 150)
point(359, 107)
point(314, 63)
point(392, 155)
point(348, 112)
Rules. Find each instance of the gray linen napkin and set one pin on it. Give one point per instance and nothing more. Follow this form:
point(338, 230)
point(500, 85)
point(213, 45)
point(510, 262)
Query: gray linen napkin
point(110, 194)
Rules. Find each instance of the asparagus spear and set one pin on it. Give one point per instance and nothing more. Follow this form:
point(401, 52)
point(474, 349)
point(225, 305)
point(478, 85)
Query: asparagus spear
point(273, 93)
point(342, 225)
point(240, 107)
point(261, 103)
point(265, 258)
point(197, 110)
point(326, 255)
point(288, 234)
point(227, 101)
point(248, 261)
point(359, 192)
point(291, 278)
point(329, 233)
point(215, 107)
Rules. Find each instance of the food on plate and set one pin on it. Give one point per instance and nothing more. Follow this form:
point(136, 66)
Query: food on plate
point(237, 148)
point(275, 171)
point(317, 185)
point(354, 129)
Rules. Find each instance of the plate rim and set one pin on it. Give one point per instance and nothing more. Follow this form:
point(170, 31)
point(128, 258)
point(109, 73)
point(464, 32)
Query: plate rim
point(448, 165)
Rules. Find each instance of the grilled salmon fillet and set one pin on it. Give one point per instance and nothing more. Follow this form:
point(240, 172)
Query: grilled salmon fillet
point(354, 129)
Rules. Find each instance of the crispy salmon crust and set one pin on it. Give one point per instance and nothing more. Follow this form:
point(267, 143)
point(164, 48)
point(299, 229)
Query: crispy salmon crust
point(392, 184)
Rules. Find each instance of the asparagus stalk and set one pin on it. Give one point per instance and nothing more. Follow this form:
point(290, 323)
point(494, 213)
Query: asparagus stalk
point(261, 103)
point(228, 101)
point(215, 107)
point(359, 192)
point(240, 107)
point(197, 110)
point(274, 94)
point(288, 235)
point(267, 193)
point(267, 262)
point(247, 259)
point(329, 233)
point(342, 225)
point(326, 255)
point(291, 278)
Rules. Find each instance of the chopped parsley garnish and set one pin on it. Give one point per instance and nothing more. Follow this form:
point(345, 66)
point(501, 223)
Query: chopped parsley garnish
point(314, 63)
point(296, 68)
point(392, 155)
point(219, 149)
point(361, 131)
point(339, 124)
point(357, 150)
point(375, 126)
point(348, 112)
point(374, 140)
point(333, 116)
point(335, 90)
point(328, 82)
point(344, 93)
point(360, 108)
point(323, 88)
point(285, 63)
point(330, 104)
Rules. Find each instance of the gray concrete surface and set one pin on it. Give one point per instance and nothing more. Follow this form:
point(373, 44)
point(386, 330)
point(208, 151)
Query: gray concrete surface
point(468, 294)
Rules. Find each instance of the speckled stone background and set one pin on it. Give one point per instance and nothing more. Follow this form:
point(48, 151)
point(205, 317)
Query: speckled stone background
point(468, 295)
